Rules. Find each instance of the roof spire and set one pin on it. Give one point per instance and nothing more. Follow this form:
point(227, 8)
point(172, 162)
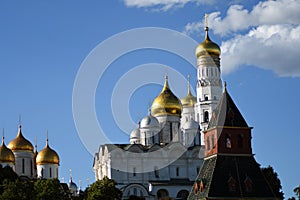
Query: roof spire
point(189, 84)
point(70, 175)
point(206, 27)
point(35, 145)
point(225, 86)
point(2, 137)
point(47, 141)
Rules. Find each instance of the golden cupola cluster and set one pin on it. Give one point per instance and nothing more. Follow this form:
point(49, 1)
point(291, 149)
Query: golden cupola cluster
point(47, 156)
point(207, 47)
point(189, 100)
point(6, 155)
point(166, 103)
point(20, 143)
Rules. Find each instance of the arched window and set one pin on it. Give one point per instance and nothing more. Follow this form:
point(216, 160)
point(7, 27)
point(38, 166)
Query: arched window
point(31, 168)
point(162, 193)
point(206, 116)
point(42, 172)
point(50, 172)
point(182, 194)
point(177, 171)
point(228, 142)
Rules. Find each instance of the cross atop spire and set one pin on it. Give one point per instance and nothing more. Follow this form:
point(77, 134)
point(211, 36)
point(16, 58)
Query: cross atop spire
point(206, 20)
point(20, 120)
point(47, 139)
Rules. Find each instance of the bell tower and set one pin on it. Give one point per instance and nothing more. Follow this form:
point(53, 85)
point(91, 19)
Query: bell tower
point(209, 84)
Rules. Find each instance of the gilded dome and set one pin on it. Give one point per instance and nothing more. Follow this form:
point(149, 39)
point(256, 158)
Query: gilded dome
point(166, 103)
point(20, 143)
point(207, 46)
point(6, 155)
point(189, 100)
point(47, 156)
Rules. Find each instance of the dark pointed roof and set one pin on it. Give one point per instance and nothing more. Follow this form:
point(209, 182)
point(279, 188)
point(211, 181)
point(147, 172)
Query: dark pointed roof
point(234, 177)
point(226, 113)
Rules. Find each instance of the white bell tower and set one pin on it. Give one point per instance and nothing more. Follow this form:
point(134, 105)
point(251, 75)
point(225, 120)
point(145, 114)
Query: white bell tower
point(209, 83)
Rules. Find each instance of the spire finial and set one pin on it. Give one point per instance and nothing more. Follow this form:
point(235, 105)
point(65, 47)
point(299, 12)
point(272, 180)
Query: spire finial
point(189, 84)
point(2, 136)
point(225, 85)
point(35, 145)
point(206, 20)
point(20, 120)
point(47, 140)
point(70, 175)
point(149, 107)
point(166, 82)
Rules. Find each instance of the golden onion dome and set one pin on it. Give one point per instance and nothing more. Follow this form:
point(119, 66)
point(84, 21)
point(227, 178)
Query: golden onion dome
point(189, 100)
point(6, 155)
point(166, 103)
point(47, 156)
point(20, 143)
point(207, 46)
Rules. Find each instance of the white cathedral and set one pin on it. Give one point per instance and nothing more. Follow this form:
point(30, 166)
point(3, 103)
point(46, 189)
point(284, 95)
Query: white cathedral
point(172, 130)
point(20, 155)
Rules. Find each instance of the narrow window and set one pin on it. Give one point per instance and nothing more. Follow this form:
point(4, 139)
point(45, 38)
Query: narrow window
point(206, 116)
point(134, 191)
point(207, 143)
point(197, 170)
point(50, 172)
point(228, 142)
point(177, 171)
point(42, 172)
point(240, 141)
point(213, 141)
point(56, 172)
point(134, 171)
point(23, 165)
point(171, 132)
point(31, 168)
point(206, 97)
point(156, 173)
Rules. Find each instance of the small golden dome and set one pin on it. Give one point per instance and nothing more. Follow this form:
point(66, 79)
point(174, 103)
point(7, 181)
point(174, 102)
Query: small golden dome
point(166, 103)
point(208, 47)
point(20, 143)
point(6, 155)
point(189, 100)
point(47, 156)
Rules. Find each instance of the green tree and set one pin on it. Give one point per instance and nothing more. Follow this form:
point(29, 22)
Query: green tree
point(18, 189)
point(104, 189)
point(49, 189)
point(273, 180)
point(297, 191)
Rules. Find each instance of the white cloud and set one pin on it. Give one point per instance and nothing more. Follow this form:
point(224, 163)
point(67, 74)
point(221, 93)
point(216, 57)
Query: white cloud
point(273, 47)
point(238, 18)
point(161, 5)
point(271, 39)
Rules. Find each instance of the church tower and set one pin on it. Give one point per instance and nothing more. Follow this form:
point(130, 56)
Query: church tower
point(209, 84)
point(229, 170)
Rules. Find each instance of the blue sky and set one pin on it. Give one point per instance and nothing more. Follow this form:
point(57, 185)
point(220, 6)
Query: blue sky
point(43, 44)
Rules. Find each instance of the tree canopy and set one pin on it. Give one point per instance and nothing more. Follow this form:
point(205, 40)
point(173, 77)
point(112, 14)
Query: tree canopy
point(273, 180)
point(104, 189)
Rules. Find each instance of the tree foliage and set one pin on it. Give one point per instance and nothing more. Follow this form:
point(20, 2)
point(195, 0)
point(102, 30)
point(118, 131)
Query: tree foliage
point(104, 189)
point(18, 189)
point(297, 191)
point(49, 189)
point(273, 180)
